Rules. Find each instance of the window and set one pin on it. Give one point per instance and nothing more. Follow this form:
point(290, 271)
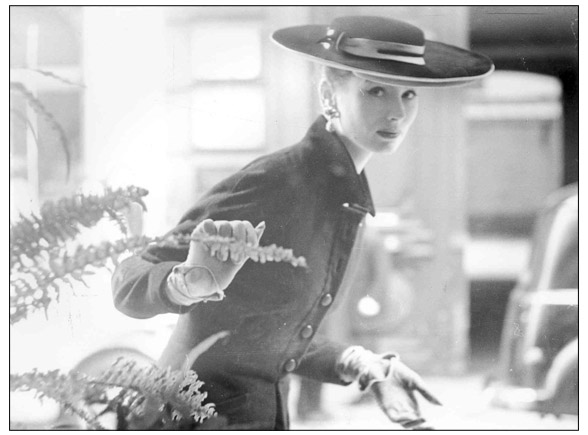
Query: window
point(231, 93)
point(44, 40)
point(217, 96)
point(225, 50)
point(217, 80)
point(227, 117)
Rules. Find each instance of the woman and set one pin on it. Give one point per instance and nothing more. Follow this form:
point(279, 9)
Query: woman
point(311, 197)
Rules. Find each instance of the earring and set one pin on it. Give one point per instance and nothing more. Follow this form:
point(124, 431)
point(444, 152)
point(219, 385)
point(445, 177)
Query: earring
point(330, 112)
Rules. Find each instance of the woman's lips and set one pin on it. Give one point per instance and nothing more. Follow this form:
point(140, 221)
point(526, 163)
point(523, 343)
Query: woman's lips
point(388, 134)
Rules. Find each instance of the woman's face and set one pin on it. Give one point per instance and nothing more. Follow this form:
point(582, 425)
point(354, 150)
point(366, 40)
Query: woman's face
point(375, 117)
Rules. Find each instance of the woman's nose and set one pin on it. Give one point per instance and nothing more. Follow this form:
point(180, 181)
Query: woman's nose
point(396, 108)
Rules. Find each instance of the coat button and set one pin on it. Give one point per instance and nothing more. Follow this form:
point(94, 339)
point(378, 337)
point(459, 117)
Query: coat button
point(326, 300)
point(307, 331)
point(290, 365)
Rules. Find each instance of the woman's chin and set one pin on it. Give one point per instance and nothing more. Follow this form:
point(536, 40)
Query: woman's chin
point(389, 146)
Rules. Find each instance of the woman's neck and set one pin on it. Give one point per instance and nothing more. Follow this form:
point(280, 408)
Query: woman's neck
point(359, 155)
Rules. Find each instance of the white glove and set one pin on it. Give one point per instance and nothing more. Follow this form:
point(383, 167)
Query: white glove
point(392, 382)
point(211, 267)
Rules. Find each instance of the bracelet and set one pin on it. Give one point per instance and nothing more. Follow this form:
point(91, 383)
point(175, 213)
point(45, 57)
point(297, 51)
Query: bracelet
point(179, 292)
point(367, 379)
point(357, 364)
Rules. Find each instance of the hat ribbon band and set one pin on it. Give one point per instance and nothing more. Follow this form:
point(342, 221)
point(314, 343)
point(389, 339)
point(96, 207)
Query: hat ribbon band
point(396, 51)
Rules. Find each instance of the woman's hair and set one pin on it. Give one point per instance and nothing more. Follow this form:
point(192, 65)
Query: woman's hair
point(330, 78)
point(335, 75)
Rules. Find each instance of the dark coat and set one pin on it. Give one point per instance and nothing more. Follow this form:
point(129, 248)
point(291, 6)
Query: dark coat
point(313, 202)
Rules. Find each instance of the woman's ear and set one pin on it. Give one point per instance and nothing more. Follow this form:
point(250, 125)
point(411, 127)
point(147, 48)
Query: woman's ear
point(326, 93)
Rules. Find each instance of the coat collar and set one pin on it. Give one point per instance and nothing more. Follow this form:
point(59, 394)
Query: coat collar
point(353, 188)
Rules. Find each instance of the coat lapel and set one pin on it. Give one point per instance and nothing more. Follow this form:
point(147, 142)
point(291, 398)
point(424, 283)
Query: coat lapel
point(350, 187)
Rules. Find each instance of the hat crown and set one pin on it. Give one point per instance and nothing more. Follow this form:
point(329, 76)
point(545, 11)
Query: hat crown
point(379, 29)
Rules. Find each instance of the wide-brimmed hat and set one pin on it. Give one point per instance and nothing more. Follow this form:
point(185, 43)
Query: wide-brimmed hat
point(385, 50)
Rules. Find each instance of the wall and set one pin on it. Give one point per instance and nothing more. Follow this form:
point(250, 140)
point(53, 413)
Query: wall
point(125, 129)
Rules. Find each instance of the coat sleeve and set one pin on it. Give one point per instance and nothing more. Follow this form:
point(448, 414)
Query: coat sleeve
point(139, 283)
point(320, 359)
point(138, 288)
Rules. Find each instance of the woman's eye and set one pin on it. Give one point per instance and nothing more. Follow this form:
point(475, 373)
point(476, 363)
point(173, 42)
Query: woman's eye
point(409, 95)
point(376, 91)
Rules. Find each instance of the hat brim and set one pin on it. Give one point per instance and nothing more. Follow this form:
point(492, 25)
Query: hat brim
point(445, 65)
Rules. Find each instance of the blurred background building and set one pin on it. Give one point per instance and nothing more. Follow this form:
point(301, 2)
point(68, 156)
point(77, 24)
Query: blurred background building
point(175, 99)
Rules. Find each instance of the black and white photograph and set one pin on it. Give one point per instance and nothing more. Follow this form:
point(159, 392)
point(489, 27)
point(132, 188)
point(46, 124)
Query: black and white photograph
point(303, 217)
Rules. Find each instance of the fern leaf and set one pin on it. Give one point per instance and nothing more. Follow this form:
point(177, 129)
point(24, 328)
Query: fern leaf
point(38, 285)
point(163, 390)
point(53, 76)
point(68, 390)
point(40, 110)
point(180, 390)
point(23, 118)
point(261, 254)
point(62, 220)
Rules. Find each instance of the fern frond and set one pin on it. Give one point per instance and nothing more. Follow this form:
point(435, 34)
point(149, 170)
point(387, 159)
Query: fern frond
point(40, 110)
point(39, 285)
point(61, 220)
point(141, 389)
point(261, 254)
point(23, 118)
point(67, 390)
point(53, 76)
point(180, 390)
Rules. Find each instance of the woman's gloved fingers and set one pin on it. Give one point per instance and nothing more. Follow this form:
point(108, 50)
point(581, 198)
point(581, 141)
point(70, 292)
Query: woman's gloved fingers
point(414, 403)
point(251, 235)
point(205, 228)
point(399, 404)
point(409, 423)
point(259, 229)
point(239, 231)
point(240, 235)
point(401, 417)
point(209, 227)
point(224, 230)
point(420, 386)
point(395, 409)
point(423, 426)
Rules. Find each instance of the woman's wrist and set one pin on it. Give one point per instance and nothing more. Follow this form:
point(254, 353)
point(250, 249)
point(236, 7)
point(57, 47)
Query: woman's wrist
point(190, 284)
point(364, 366)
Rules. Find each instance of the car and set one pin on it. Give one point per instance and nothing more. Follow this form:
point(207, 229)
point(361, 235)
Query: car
point(538, 361)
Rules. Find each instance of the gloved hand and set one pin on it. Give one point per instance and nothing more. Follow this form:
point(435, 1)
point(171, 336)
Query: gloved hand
point(393, 383)
point(396, 395)
point(210, 267)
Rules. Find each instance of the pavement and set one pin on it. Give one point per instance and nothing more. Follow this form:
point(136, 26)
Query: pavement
point(465, 407)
